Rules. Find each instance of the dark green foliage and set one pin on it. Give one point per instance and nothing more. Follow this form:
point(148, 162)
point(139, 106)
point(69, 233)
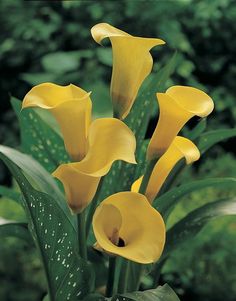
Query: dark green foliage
point(160, 293)
point(50, 41)
point(39, 139)
point(68, 276)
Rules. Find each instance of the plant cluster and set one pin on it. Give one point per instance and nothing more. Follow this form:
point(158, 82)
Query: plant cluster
point(115, 190)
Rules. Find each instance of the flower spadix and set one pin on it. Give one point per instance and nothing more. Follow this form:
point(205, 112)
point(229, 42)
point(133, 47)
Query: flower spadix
point(177, 105)
point(132, 62)
point(180, 148)
point(71, 106)
point(109, 139)
point(125, 224)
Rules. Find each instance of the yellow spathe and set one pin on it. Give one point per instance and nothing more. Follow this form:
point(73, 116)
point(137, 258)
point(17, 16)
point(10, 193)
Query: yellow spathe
point(71, 106)
point(109, 139)
point(180, 148)
point(177, 105)
point(128, 217)
point(79, 188)
point(132, 63)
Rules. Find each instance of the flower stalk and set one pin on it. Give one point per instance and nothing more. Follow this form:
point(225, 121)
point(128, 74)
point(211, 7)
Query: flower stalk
point(147, 175)
point(111, 276)
point(82, 235)
point(92, 207)
point(124, 277)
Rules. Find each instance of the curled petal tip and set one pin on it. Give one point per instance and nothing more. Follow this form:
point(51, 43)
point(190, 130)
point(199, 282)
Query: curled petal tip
point(128, 72)
point(192, 99)
point(109, 139)
point(71, 106)
point(177, 105)
point(101, 31)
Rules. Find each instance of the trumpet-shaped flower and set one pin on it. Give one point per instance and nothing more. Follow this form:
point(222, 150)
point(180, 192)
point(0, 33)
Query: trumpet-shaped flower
point(132, 62)
point(109, 139)
point(177, 106)
point(180, 148)
point(125, 224)
point(71, 106)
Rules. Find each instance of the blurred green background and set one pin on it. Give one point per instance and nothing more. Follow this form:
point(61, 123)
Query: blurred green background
point(50, 41)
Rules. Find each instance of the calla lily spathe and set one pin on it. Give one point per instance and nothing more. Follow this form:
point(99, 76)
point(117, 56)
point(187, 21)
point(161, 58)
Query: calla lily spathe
point(125, 224)
point(177, 105)
point(109, 139)
point(132, 63)
point(180, 148)
point(71, 106)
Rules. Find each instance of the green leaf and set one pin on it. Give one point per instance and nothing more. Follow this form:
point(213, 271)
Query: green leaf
point(39, 139)
point(208, 139)
point(14, 229)
point(161, 293)
point(60, 62)
point(105, 56)
point(38, 78)
point(166, 201)
point(190, 225)
point(37, 175)
point(10, 193)
point(137, 121)
point(68, 276)
point(197, 130)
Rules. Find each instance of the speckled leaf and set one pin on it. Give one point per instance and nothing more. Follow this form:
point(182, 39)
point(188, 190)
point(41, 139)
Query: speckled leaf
point(189, 226)
point(122, 175)
point(161, 293)
point(14, 229)
point(208, 139)
point(167, 201)
point(37, 175)
point(68, 276)
point(39, 139)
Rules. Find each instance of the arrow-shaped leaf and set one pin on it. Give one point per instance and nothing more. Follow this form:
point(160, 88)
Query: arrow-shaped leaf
point(39, 139)
point(37, 175)
point(68, 276)
point(190, 225)
point(166, 201)
point(208, 139)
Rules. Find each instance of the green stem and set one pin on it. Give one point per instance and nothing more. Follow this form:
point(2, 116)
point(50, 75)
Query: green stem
point(157, 273)
point(124, 277)
point(82, 235)
point(147, 175)
point(111, 276)
point(142, 190)
point(93, 207)
point(172, 177)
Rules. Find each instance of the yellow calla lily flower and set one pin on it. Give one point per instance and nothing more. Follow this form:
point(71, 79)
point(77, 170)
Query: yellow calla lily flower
point(71, 106)
point(125, 224)
point(177, 106)
point(180, 148)
point(109, 139)
point(132, 63)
